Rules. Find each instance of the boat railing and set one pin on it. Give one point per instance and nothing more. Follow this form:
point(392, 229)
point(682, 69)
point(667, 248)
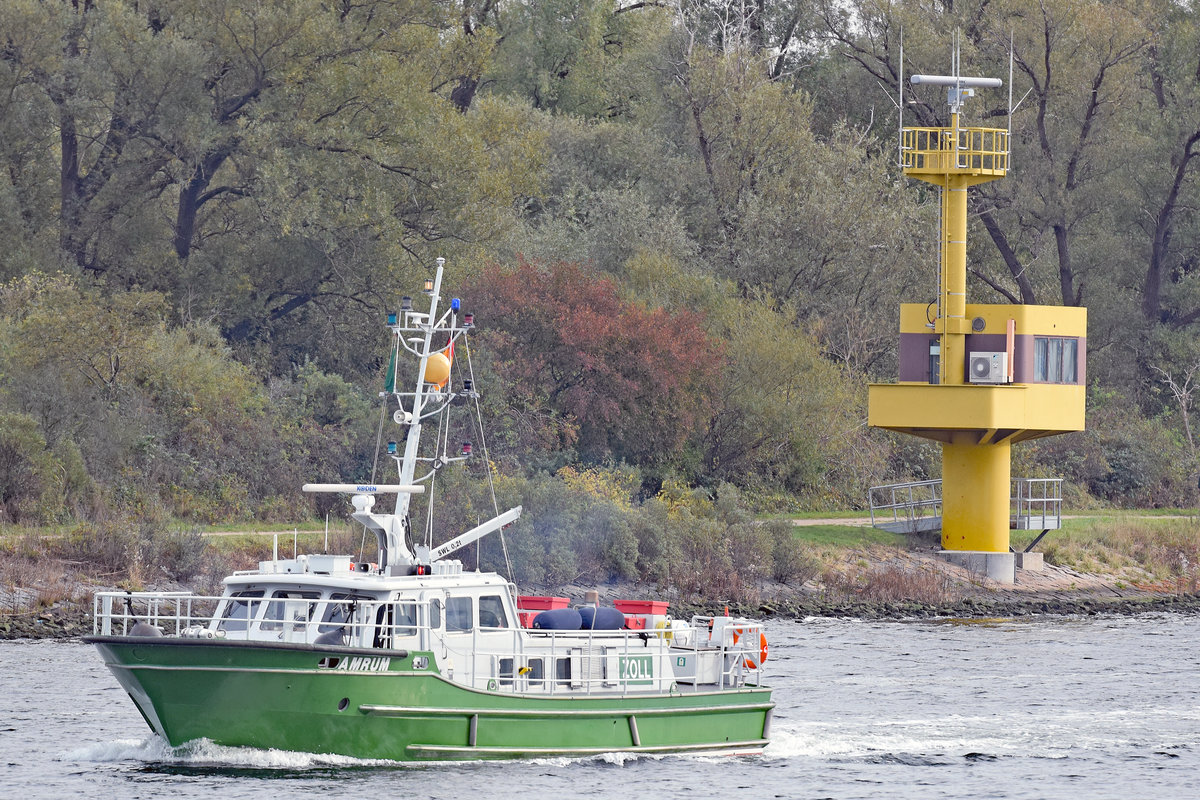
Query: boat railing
point(296, 620)
point(116, 613)
point(716, 652)
point(520, 660)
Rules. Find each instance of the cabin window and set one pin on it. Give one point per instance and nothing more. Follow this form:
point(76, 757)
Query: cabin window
point(1055, 359)
point(289, 605)
point(562, 670)
point(506, 672)
point(460, 613)
point(239, 610)
point(534, 671)
point(491, 612)
point(537, 671)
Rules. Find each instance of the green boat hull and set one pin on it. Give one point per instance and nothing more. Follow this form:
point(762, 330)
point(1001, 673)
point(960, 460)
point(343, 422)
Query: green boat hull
point(376, 704)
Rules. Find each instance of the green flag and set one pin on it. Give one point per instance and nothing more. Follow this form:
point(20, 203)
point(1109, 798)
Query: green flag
point(389, 381)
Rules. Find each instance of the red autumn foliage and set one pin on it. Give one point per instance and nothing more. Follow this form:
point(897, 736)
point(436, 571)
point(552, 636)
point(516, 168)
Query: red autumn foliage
point(622, 381)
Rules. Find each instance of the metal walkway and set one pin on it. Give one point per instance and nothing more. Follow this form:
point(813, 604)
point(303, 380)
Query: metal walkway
point(916, 506)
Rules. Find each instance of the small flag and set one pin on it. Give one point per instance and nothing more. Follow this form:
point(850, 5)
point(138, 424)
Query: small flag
point(389, 381)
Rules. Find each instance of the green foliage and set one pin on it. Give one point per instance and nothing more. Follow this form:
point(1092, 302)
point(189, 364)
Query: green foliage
point(101, 390)
point(1123, 458)
point(236, 191)
point(37, 484)
point(582, 58)
point(1145, 550)
point(586, 527)
point(792, 564)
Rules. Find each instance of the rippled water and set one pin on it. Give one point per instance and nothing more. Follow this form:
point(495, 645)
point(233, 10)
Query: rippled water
point(1031, 708)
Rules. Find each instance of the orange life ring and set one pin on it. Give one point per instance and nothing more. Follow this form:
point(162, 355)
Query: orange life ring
point(753, 663)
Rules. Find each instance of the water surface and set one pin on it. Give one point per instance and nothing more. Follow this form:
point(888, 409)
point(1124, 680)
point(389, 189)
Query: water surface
point(1032, 708)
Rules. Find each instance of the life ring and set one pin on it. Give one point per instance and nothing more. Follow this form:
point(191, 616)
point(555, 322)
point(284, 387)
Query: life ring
point(751, 661)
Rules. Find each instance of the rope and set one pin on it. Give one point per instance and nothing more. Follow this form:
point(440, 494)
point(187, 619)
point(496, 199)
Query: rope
point(362, 545)
point(486, 458)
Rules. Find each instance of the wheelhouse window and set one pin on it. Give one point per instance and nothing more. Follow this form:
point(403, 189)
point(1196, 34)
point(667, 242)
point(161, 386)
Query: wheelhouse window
point(1055, 359)
point(404, 620)
point(289, 605)
point(435, 614)
point(239, 610)
point(339, 611)
point(491, 612)
point(460, 614)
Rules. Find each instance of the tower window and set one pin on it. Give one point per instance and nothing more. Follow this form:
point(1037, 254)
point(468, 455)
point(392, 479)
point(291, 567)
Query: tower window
point(1055, 359)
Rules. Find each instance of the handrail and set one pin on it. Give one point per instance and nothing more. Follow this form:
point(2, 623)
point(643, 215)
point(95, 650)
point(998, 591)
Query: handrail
point(937, 150)
point(1033, 500)
point(1037, 499)
point(916, 499)
point(475, 657)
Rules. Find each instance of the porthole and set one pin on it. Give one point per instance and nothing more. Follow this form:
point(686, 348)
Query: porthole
point(344, 704)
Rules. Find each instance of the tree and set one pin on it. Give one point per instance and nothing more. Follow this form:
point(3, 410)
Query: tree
point(593, 59)
point(820, 225)
point(251, 160)
point(617, 380)
point(1173, 135)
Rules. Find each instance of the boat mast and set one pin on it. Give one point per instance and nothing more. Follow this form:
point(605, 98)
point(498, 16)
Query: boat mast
point(394, 531)
point(412, 441)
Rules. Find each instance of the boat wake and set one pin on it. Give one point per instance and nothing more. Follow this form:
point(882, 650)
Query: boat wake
point(883, 744)
point(203, 754)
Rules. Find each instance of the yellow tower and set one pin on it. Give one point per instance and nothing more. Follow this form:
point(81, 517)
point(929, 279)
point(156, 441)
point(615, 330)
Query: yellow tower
point(977, 377)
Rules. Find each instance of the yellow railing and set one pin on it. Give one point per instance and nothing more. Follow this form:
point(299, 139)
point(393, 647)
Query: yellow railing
point(979, 151)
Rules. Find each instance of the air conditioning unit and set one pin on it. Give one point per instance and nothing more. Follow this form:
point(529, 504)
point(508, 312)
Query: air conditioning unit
point(988, 368)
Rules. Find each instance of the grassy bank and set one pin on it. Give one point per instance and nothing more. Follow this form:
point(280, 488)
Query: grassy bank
point(1161, 549)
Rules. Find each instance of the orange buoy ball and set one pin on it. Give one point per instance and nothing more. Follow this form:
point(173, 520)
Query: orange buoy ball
point(437, 370)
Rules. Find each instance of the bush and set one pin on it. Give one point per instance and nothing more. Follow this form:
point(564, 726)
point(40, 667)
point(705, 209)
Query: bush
point(138, 551)
point(789, 562)
point(890, 584)
point(38, 484)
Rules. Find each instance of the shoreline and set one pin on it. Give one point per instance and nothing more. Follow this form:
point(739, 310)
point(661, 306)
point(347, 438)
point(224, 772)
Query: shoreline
point(866, 583)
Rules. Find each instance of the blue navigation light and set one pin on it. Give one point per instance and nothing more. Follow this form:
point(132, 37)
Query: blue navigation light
point(455, 303)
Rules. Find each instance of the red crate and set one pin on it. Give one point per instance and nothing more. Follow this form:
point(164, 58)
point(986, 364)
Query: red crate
point(635, 623)
point(627, 607)
point(528, 602)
